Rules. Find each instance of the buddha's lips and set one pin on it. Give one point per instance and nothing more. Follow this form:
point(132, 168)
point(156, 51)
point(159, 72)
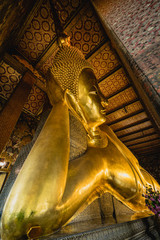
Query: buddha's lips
point(103, 111)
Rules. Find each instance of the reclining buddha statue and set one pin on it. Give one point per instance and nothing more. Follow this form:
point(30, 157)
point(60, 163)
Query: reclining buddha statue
point(50, 189)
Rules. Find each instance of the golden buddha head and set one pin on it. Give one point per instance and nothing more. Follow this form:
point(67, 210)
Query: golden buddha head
point(75, 76)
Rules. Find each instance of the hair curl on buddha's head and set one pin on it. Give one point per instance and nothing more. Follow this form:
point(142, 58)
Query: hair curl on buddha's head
point(67, 66)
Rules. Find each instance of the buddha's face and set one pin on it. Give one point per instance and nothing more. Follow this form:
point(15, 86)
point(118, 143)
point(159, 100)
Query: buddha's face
point(90, 100)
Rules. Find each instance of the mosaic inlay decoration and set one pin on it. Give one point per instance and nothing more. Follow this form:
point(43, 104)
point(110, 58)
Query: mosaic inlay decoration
point(135, 22)
point(9, 78)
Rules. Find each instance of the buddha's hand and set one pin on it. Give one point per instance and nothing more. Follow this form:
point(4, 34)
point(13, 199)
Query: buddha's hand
point(54, 91)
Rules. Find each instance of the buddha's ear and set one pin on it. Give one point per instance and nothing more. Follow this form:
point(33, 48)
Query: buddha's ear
point(54, 91)
point(73, 105)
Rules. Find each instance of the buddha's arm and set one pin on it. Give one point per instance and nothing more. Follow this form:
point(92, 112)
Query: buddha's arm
point(99, 170)
point(150, 180)
point(125, 151)
point(85, 182)
point(40, 184)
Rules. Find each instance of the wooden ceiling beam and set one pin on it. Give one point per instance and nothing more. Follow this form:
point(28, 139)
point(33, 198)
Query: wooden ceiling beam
point(122, 106)
point(125, 117)
point(151, 142)
point(132, 125)
point(145, 135)
point(137, 131)
point(148, 150)
point(144, 141)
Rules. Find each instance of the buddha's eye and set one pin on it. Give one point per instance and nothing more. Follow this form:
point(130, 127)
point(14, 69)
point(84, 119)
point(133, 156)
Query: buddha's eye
point(93, 91)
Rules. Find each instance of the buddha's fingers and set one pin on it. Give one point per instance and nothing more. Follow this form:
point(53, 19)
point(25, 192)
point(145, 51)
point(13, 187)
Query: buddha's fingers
point(40, 184)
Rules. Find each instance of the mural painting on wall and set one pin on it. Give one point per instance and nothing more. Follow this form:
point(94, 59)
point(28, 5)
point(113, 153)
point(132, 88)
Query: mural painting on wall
point(22, 135)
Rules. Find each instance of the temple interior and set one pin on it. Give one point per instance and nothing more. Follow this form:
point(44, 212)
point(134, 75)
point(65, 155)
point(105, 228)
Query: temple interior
point(121, 40)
